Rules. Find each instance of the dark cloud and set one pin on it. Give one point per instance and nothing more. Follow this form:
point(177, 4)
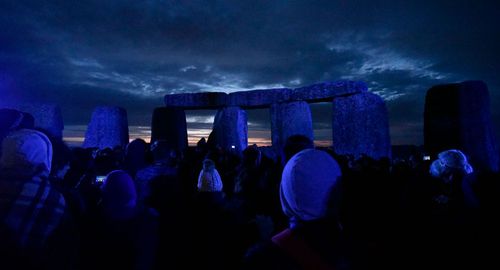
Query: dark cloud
point(131, 53)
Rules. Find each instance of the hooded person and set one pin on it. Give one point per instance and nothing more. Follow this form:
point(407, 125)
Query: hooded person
point(11, 120)
point(308, 192)
point(30, 209)
point(307, 182)
point(119, 196)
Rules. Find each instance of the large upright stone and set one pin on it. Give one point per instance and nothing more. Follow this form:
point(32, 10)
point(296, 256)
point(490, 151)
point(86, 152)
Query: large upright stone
point(230, 129)
point(458, 116)
point(360, 126)
point(287, 119)
point(107, 128)
point(47, 116)
point(169, 124)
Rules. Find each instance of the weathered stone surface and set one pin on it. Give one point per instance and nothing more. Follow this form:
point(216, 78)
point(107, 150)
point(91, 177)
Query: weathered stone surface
point(107, 128)
point(169, 124)
point(265, 97)
point(328, 90)
point(47, 116)
point(258, 98)
point(206, 100)
point(360, 126)
point(230, 129)
point(458, 116)
point(287, 119)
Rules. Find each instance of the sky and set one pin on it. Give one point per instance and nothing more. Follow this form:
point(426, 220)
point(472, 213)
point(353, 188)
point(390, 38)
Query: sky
point(83, 54)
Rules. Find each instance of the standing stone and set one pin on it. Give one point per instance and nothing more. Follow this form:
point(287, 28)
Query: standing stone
point(230, 129)
point(169, 124)
point(360, 126)
point(287, 119)
point(46, 116)
point(458, 116)
point(108, 128)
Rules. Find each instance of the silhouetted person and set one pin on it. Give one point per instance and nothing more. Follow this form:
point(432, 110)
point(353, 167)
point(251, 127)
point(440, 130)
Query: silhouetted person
point(164, 164)
point(122, 235)
point(249, 174)
point(444, 223)
point(295, 144)
point(136, 156)
point(211, 228)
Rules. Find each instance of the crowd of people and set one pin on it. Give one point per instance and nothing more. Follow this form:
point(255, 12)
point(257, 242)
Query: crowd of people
point(148, 206)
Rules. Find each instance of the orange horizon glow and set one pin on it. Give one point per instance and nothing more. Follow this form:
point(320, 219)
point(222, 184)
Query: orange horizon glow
point(75, 135)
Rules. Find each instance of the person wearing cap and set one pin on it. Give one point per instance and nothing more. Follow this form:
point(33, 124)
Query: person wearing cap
point(31, 210)
point(450, 163)
point(453, 170)
point(215, 236)
point(452, 225)
point(309, 197)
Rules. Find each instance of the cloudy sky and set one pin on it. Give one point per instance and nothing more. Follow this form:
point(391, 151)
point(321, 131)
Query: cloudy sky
point(86, 53)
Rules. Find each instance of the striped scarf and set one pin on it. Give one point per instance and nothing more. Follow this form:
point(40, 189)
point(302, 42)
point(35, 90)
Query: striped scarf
point(30, 210)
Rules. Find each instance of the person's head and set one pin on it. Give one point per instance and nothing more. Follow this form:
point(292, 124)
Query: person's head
point(119, 196)
point(135, 147)
point(309, 179)
point(160, 150)
point(105, 161)
point(201, 145)
point(61, 155)
point(26, 152)
point(252, 156)
point(28, 121)
point(295, 144)
point(450, 163)
point(135, 154)
point(208, 165)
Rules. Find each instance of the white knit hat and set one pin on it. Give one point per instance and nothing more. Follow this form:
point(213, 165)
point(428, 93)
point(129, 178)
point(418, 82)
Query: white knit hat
point(209, 179)
point(307, 182)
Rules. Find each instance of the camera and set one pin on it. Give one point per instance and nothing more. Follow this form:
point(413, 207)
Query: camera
point(100, 179)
